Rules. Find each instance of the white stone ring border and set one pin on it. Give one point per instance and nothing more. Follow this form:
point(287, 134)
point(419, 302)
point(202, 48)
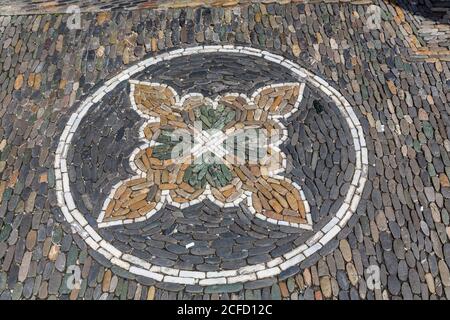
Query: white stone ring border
point(271, 268)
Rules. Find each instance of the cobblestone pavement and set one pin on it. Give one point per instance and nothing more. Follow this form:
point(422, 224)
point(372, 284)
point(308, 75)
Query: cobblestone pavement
point(93, 207)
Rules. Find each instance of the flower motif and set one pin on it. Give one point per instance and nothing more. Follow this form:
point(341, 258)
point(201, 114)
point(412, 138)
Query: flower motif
point(226, 150)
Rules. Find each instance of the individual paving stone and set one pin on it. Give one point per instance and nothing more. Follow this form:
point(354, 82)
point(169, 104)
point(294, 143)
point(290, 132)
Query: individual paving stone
point(446, 250)
point(25, 266)
point(284, 289)
point(6, 295)
point(342, 280)
point(3, 248)
point(414, 281)
point(54, 283)
point(3, 281)
point(393, 285)
point(275, 292)
point(288, 273)
point(444, 273)
point(17, 291)
point(325, 286)
point(406, 291)
point(345, 249)
point(28, 287)
point(391, 262)
point(224, 288)
point(257, 284)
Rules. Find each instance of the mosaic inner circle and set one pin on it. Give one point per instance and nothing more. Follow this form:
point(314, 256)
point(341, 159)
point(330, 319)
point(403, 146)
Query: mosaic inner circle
point(213, 214)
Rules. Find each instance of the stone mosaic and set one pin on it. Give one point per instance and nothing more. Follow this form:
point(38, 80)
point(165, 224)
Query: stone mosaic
point(164, 179)
point(213, 167)
point(366, 151)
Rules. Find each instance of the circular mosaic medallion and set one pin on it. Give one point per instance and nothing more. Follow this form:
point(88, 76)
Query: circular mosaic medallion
point(211, 165)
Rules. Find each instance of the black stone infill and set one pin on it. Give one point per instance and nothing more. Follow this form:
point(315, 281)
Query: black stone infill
point(213, 74)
